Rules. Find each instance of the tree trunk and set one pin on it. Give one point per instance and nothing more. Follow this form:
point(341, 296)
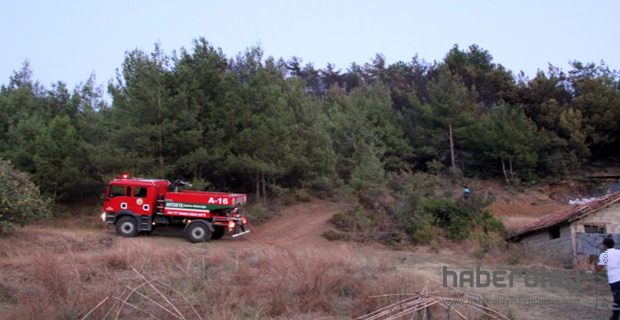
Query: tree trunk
point(197, 172)
point(55, 190)
point(161, 137)
point(264, 186)
point(504, 171)
point(257, 187)
point(451, 146)
point(510, 166)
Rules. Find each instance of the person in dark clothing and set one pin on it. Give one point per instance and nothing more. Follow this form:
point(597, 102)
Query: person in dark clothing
point(610, 260)
point(466, 192)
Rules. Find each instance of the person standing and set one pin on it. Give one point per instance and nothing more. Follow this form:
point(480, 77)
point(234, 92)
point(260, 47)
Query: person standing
point(610, 260)
point(466, 192)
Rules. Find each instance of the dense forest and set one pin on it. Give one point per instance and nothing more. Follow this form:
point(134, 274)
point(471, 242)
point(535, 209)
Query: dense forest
point(259, 124)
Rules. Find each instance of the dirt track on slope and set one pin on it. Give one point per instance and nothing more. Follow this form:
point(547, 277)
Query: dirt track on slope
point(299, 225)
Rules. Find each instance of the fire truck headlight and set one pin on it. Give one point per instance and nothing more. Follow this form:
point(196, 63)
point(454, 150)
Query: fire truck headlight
point(103, 217)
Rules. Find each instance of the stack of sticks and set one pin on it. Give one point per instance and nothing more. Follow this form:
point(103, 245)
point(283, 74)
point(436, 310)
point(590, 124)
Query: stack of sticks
point(151, 299)
point(426, 305)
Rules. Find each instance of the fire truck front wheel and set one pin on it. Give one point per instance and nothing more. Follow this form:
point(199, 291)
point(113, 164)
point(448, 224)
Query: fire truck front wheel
point(198, 231)
point(127, 227)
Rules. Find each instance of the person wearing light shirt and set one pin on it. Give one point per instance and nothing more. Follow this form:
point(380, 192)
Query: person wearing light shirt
point(610, 260)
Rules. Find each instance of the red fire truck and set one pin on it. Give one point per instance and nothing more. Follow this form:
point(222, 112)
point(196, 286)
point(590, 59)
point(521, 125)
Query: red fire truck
point(137, 205)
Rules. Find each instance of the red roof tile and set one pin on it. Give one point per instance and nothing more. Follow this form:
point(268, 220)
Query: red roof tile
point(567, 215)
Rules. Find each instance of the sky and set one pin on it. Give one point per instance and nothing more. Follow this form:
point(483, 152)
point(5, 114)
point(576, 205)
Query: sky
point(69, 40)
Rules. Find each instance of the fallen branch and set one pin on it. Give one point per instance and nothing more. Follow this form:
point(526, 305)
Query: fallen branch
point(95, 308)
point(159, 292)
point(182, 297)
point(157, 304)
point(135, 307)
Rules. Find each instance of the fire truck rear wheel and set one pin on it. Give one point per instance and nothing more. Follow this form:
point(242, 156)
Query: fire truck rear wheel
point(198, 232)
point(127, 227)
point(218, 233)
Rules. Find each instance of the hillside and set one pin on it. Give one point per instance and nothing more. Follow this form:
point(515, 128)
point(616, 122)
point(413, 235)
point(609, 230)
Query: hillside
point(285, 269)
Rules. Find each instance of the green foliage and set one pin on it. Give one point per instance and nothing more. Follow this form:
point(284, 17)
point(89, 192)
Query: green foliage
point(374, 103)
point(459, 220)
point(352, 142)
point(152, 126)
point(342, 221)
point(425, 210)
point(454, 219)
point(201, 185)
point(262, 125)
point(257, 214)
point(45, 135)
point(332, 235)
point(596, 98)
point(475, 66)
point(368, 173)
point(412, 191)
point(353, 220)
point(506, 134)
point(419, 226)
point(571, 125)
point(21, 201)
point(423, 232)
point(451, 109)
point(57, 159)
point(434, 166)
point(556, 157)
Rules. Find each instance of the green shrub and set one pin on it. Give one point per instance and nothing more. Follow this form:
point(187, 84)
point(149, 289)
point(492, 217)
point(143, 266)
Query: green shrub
point(390, 238)
point(424, 207)
point(356, 219)
point(288, 199)
point(303, 195)
point(455, 219)
point(488, 223)
point(332, 235)
point(323, 184)
point(416, 225)
point(21, 201)
point(257, 214)
point(201, 185)
point(422, 216)
point(342, 221)
point(368, 173)
point(425, 234)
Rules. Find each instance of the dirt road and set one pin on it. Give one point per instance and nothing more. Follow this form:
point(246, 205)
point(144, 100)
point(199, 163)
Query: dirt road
point(299, 225)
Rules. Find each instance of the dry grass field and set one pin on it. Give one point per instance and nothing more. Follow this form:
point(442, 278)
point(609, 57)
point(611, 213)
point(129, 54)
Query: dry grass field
point(283, 270)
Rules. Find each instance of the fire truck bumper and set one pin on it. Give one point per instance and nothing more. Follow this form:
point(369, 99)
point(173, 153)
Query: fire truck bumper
point(240, 233)
point(108, 217)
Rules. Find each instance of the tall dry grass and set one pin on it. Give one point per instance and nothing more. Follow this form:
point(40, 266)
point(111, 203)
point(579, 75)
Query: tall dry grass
point(274, 283)
point(59, 275)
